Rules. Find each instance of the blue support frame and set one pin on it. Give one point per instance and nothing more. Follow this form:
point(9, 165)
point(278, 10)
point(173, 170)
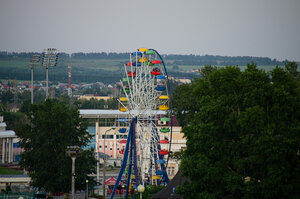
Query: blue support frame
point(125, 157)
point(129, 171)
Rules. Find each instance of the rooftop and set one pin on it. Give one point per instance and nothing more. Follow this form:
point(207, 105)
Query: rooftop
point(104, 113)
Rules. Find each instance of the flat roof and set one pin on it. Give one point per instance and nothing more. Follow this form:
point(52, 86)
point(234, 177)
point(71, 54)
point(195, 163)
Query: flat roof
point(104, 113)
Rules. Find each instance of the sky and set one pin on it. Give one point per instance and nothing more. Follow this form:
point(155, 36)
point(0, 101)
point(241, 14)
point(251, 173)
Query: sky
point(263, 28)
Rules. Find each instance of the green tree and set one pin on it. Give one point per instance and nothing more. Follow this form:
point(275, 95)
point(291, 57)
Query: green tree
point(6, 97)
point(54, 126)
point(13, 119)
point(291, 67)
point(181, 100)
point(243, 134)
point(25, 106)
point(207, 70)
point(97, 104)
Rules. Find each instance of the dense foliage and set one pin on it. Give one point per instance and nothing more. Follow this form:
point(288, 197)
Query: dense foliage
point(14, 70)
point(178, 59)
point(54, 126)
point(97, 104)
point(243, 133)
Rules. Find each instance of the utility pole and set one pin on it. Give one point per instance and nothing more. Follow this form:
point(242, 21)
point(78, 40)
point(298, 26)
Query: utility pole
point(104, 160)
point(87, 188)
point(73, 177)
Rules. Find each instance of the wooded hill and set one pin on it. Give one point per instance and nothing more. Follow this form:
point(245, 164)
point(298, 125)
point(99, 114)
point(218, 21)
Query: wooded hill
point(108, 67)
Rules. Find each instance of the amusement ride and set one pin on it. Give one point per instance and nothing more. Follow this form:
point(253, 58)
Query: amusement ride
point(145, 97)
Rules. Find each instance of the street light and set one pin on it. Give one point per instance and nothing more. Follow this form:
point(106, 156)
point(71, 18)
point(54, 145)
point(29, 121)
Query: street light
point(49, 59)
point(87, 189)
point(35, 59)
point(73, 152)
point(141, 189)
point(104, 160)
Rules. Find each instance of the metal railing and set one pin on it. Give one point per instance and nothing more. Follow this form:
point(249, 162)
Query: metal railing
point(17, 195)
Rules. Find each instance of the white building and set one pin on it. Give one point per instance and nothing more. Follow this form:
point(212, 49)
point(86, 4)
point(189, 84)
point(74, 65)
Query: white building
point(7, 138)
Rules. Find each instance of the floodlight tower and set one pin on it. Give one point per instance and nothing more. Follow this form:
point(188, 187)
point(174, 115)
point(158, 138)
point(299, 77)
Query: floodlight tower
point(35, 59)
point(73, 152)
point(69, 85)
point(50, 57)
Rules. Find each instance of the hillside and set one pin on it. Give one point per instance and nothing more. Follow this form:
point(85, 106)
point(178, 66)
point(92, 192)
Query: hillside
point(108, 68)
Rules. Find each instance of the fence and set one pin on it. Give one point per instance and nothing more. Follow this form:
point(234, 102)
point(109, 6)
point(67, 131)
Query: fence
point(17, 195)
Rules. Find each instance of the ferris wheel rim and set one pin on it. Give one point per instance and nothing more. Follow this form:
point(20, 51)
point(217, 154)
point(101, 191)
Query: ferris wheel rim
point(136, 76)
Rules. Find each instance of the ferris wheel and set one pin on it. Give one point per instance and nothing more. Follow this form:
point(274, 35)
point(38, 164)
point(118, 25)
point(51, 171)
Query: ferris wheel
point(145, 97)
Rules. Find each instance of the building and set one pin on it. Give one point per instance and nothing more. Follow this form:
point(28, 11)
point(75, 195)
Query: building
point(96, 97)
point(115, 141)
point(8, 139)
point(183, 80)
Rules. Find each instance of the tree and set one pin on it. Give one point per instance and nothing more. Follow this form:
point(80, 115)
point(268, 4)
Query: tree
point(243, 134)
point(13, 119)
point(53, 126)
point(207, 70)
point(25, 106)
point(291, 67)
point(7, 97)
point(97, 104)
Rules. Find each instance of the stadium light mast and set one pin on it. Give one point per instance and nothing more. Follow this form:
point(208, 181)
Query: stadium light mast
point(50, 57)
point(35, 59)
point(69, 83)
point(73, 152)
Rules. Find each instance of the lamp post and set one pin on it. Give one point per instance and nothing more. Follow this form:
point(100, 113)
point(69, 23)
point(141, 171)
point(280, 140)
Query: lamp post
point(141, 189)
point(49, 59)
point(73, 152)
point(104, 160)
point(87, 188)
point(35, 59)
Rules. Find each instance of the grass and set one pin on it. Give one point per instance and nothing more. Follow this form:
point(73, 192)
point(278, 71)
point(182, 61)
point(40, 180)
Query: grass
point(8, 171)
point(94, 64)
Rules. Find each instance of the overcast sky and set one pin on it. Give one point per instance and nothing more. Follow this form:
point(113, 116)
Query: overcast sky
point(265, 28)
